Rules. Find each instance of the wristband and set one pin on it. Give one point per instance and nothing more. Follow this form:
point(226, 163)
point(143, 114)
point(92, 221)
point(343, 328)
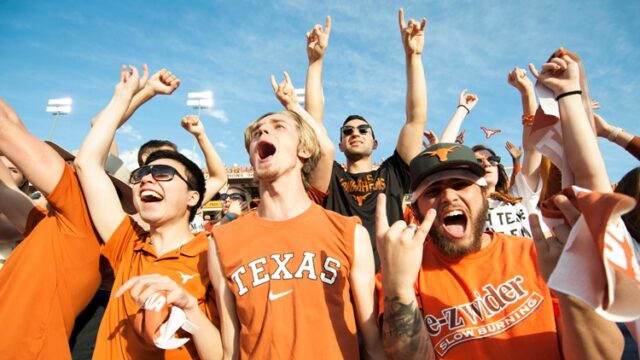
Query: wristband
point(527, 120)
point(613, 135)
point(230, 216)
point(568, 93)
point(466, 108)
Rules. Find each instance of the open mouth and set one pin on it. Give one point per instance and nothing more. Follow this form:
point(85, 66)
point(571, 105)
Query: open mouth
point(265, 149)
point(455, 223)
point(150, 196)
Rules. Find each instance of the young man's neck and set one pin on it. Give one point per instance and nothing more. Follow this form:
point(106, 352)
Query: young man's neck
point(283, 198)
point(170, 236)
point(360, 165)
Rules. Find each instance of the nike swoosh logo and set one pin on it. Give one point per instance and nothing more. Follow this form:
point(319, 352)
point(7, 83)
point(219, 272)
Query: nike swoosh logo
point(273, 296)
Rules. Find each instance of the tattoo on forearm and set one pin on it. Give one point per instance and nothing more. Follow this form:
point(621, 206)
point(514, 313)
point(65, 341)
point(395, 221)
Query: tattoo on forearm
point(403, 331)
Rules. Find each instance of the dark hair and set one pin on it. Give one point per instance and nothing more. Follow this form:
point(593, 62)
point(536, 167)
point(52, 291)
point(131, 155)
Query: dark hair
point(357, 117)
point(503, 179)
point(152, 145)
point(630, 185)
point(195, 178)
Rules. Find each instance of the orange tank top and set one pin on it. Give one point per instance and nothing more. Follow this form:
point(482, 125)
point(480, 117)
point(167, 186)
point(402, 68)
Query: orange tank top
point(291, 284)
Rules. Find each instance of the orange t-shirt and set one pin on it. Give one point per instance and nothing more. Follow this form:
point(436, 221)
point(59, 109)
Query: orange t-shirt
point(487, 305)
point(290, 280)
point(50, 277)
point(130, 254)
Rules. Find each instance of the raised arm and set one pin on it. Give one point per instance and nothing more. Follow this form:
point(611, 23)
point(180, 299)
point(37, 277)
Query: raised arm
point(317, 42)
point(410, 138)
point(362, 279)
point(226, 304)
point(404, 335)
point(516, 154)
point(162, 82)
point(14, 204)
point(217, 173)
point(37, 160)
point(100, 194)
point(466, 103)
point(532, 157)
point(562, 76)
point(321, 175)
point(617, 135)
point(583, 333)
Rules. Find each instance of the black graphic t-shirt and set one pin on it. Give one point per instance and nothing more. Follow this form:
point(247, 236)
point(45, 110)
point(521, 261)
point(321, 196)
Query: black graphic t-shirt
point(355, 194)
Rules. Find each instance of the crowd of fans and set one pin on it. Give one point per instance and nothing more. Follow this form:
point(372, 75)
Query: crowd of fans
point(434, 252)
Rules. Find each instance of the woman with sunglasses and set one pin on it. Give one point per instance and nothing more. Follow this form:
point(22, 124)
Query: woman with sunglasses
point(235, 202)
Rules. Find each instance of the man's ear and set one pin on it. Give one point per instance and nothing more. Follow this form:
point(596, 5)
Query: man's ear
point(375, 144)
point(341, 145)
point(193, 198)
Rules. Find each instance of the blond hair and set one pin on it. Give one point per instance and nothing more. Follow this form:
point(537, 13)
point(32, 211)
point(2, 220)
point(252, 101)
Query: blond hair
point(308, 141)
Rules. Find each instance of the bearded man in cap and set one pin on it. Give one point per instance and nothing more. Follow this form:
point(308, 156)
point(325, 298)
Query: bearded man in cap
point(468, 293)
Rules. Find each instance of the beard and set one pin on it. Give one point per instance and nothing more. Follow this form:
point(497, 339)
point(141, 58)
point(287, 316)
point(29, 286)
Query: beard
point(454, 247)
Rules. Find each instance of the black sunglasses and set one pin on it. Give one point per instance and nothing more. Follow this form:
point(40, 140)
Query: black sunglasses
point(493, 160)
point(362, 129)
point(232, 196)
point(159, 172)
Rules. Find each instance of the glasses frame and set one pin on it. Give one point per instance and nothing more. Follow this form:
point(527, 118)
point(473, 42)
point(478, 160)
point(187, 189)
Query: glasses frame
point(224, 197)
point(149, 169)
point(363, 129)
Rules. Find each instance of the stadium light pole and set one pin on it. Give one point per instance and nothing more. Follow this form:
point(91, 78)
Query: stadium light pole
point(199, 100)
point(58, 107)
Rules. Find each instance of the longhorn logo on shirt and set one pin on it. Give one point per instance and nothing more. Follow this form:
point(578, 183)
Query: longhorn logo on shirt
point(361, 198)
point(474, 320)
point(278, 264)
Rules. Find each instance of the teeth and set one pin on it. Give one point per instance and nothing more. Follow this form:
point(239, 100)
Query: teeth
point(454, 213)
point(146, 194)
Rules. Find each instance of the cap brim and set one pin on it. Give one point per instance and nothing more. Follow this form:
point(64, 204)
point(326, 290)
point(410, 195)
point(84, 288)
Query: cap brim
point(474, 168)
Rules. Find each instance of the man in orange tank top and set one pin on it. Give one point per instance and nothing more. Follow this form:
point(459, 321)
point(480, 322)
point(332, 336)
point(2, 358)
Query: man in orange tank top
point(293, 280)
point(468, 293)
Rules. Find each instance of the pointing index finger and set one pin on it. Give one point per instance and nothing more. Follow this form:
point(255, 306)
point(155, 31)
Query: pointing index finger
point(327, 26)
point(274, 84)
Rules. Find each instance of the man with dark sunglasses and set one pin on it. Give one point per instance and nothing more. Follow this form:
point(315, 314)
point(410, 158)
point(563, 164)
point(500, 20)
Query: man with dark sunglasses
point(167, 261)
point(352, 191)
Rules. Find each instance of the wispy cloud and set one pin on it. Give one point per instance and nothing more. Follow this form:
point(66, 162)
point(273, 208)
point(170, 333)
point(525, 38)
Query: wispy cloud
point(130, 158)
point(221, 145)
point(130, 132)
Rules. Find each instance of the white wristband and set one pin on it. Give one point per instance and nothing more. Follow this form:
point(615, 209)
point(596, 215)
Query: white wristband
point(614, 134)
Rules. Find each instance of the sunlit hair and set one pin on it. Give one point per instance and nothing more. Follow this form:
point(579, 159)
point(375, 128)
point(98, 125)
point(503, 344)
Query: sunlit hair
point(308, 141)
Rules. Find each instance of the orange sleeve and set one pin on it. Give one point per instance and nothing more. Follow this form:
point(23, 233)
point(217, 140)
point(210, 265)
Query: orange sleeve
point(35, 215)
point(122, 239)
point(67, 201)
point(316, 195)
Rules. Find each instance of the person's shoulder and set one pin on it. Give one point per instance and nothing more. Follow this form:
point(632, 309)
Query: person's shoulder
point(335, 216)
point(514, 243)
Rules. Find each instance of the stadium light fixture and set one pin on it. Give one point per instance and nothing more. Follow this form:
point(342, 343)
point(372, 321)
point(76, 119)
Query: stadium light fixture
point(58, 107)
point(199, 100)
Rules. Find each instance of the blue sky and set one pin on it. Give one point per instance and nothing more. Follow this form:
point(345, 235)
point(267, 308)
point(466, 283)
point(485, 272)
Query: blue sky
point(60, 48)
